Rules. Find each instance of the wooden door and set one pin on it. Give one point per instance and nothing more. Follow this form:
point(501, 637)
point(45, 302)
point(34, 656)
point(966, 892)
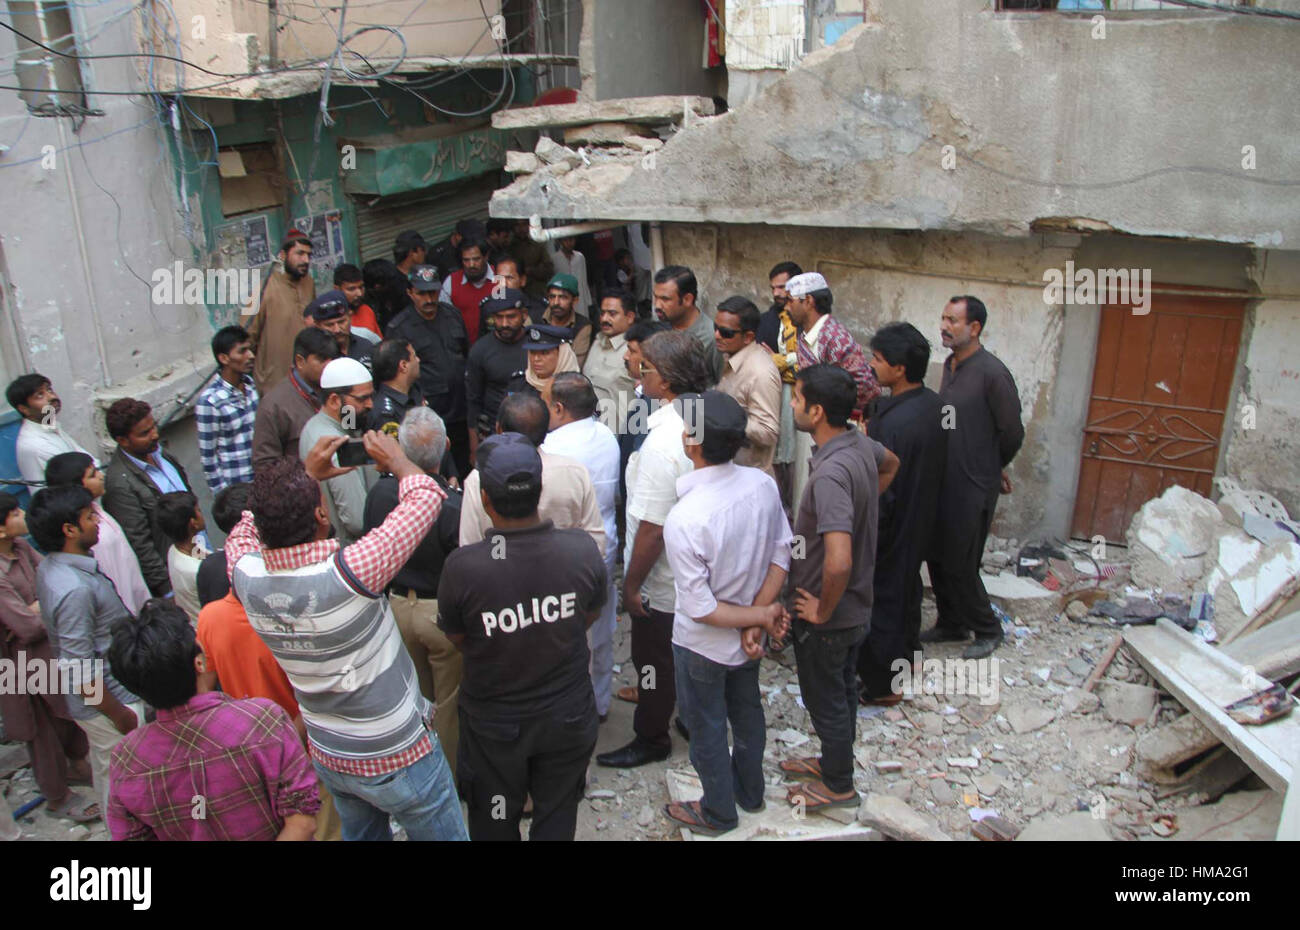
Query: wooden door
point(1159, 400)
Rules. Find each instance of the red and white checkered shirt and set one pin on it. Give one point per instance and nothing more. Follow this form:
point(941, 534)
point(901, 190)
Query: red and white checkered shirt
point(371, 561)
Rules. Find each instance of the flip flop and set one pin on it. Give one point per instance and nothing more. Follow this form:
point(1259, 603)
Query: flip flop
point(809, 767)
point(691, 816)
point(76, 807)
point(817, 798)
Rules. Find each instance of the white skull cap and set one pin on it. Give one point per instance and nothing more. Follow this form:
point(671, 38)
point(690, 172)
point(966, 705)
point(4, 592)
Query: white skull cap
point(801, 285)
point(344, 372)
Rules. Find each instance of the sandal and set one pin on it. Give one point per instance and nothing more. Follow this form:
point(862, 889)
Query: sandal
point(691, 816)
point(810, 767)
point(817, 797)
point(76, 808)
point(629, 694)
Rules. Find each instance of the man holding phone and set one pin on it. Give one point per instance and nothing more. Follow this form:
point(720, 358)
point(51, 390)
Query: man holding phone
point(347, 394)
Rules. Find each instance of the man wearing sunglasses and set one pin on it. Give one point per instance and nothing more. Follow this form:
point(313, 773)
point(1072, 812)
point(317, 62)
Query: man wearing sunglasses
point(751, 377)
point(347, 394)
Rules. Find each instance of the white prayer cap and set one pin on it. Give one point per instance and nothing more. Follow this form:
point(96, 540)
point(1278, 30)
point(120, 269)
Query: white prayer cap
point(344, 372)
point(801, 285)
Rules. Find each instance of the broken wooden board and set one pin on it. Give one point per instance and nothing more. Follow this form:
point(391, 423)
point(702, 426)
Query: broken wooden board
point(1205, 680)
point(777, 821)
point(638, 110)
point(1210, 777)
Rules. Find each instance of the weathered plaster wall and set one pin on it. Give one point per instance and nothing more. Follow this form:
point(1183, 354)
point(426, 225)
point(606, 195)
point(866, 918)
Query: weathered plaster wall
point(879, 276)
point(124, 185)
point(1264, 449)
point(1141, 130)
point(636, 49)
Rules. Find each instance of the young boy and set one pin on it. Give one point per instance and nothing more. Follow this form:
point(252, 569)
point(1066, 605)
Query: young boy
point(79, 607)
point(180, 520)
point(113, 552)
point(41, 721)
point(210, 767)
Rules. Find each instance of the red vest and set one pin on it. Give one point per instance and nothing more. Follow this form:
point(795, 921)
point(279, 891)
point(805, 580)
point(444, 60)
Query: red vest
point(466, 297)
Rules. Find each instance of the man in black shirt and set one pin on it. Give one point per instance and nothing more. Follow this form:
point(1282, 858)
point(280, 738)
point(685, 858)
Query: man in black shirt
point(397, 391)
point(981, 409)
point(437, 333)
point(413, 593)
point(908, 424)
point(518, 605)
point(496, 366)
point(330, 312)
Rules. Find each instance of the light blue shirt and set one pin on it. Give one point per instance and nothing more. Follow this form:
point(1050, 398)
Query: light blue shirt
point(160, 471)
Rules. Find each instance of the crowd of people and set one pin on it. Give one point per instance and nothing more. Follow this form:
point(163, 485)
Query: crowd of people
point(440, 485)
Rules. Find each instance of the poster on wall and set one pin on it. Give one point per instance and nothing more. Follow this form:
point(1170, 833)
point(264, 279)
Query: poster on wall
point(326, 233)
point(245, 243)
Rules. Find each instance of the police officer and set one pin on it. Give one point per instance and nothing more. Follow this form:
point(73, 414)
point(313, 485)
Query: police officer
point(496, 365)
point(396, 370)
point(330, 312)
point(549, 354)
point(518, 605)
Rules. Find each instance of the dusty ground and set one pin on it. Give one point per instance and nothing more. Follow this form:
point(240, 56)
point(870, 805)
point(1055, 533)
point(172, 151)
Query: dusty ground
point(1036, 750)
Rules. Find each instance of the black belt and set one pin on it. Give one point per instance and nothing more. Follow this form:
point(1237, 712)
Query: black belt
point(401, 590)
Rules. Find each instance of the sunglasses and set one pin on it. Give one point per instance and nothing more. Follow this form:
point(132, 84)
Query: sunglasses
point(726, 333)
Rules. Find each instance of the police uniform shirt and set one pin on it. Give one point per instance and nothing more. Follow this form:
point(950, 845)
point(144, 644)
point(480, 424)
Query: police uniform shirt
point(441, 345)
point(391, 406)
point(361, 350)
point(521, 598)
point(493, 370)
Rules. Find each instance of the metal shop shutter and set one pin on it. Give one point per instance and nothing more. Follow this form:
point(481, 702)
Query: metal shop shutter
point(433, 213)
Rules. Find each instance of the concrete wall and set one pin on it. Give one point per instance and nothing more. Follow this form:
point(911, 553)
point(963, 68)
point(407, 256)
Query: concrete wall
point(79, 310)
point(1141, 131)
point(632, 48)
point(879, 276)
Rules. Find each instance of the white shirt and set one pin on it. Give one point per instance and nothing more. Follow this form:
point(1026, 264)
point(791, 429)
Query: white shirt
point(652, 475)
point(37, 444)
point(576, 266)
point(183, 572)
point(590, 442)
point(810, 337)
point(727, 528)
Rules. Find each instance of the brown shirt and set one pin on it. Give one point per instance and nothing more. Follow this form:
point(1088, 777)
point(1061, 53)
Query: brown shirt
point(281, 415)
point(752, 378)
point(277, 324)
point(23, 630)
point(841, 497)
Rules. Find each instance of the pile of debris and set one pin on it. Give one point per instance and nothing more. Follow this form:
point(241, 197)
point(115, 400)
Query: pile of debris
point(624, 132)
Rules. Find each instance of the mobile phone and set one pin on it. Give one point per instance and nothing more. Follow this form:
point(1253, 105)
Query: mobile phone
point(353, 452)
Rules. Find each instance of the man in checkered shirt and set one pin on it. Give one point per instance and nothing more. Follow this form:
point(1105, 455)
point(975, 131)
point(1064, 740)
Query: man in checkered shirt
point(226, 410)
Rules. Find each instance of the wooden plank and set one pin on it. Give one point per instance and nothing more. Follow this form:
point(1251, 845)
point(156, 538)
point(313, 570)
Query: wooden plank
point(1205, 681)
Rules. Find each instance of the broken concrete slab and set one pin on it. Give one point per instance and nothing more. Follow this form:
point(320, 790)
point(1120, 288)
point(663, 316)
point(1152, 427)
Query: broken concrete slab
point(892, 817)
point(1127, 703)
point(1169, 539)
point(522, 162)
point(643, 110)
point(1173, 743)
point(551, 152)
point(1209, 778)
point(1205, 681)
point(1273, 651)
point(1252, 816)
point(1080, 826)
point(1025, 718)
point(1078, 700)
point(600, 134)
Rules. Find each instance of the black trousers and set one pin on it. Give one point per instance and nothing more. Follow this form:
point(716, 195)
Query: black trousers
point(656, 682)
point(955, 574)
point(502, 761)
point(458, 443)
point(895, 624)
point(827, 664)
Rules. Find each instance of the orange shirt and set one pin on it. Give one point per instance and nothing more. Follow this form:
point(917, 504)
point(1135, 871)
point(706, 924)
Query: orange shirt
point(243, 663)
point(365, 317)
